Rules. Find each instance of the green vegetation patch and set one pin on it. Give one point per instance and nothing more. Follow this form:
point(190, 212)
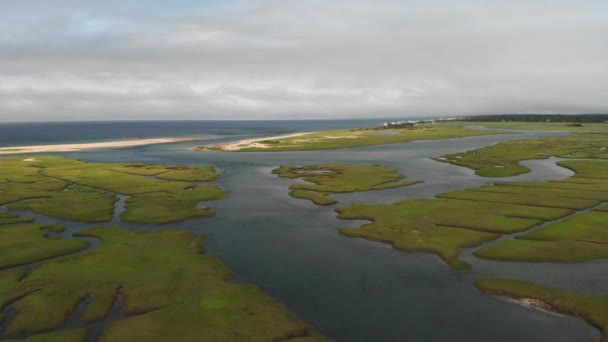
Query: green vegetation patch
point(429, 225)
point(538, 199)
point(533, 190)
point(591, 226)
point(74, 335)
point(190, 173)
point(24, 243)
point(537, 126)
point(562, 251)
point(231, 314)
point(469, 218)
point(502, 160)
point(77, 190)
point(170, 172)
point(97, 176)
point(588, 170)
point(318, 198)
point(593, 309)
point(603, 208)
point(9, 280)
point(8, 218)
point(445, 242)
point(443, 226)
point(329, 140)
point(167, 207)
point(579, 238)
point(339, 178)
point(172, 290)
point(78, 203)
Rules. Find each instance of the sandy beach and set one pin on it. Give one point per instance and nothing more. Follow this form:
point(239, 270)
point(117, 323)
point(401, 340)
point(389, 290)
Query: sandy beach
point(90, 146)
point(245, 143)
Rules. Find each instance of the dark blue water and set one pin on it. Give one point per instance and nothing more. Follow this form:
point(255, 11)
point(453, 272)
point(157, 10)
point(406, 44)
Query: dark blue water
point(347, 289)
point(37, 133)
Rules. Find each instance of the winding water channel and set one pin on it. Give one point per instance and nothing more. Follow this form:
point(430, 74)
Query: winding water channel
point(352, 289)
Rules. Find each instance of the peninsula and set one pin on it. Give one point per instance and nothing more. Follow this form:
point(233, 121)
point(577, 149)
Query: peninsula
point(91, 146)
point(348, 138)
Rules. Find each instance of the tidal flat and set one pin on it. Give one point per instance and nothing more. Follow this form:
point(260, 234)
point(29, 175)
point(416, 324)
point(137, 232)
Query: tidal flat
point(345, 288)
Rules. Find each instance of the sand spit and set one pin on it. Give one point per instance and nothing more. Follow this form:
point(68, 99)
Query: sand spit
point(246, 143)
point(91, 146)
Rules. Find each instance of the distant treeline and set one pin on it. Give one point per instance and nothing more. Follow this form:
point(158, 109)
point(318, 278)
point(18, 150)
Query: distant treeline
point(579, 118)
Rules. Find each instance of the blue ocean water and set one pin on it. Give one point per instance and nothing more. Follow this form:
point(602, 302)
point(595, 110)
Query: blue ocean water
point(38, 133)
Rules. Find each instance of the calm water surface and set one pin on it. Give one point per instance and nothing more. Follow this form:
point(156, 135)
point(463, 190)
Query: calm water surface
point(352, 289)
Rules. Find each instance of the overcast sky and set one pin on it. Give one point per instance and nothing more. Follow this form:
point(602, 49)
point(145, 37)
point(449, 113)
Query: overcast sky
point(281, 59)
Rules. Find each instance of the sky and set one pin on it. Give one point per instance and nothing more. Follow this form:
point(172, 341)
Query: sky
point(313, 59)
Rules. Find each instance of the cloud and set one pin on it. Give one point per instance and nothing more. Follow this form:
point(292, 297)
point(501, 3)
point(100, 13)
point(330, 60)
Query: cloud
point(271, 59)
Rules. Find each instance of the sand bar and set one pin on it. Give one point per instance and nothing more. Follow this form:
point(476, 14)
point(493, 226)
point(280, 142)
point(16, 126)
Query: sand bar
point(241, 144)
point(91, 146)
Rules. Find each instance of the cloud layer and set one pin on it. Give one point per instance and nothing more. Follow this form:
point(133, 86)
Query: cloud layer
point(280, 59)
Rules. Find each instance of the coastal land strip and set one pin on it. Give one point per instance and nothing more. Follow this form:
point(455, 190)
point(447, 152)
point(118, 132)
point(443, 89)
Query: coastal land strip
point(91, 146)
point(347, 138)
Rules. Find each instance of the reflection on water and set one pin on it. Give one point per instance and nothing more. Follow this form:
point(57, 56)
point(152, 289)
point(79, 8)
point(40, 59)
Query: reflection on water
point(352, 289)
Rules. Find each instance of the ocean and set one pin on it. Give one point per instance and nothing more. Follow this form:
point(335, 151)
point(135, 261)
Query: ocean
point(40, 133)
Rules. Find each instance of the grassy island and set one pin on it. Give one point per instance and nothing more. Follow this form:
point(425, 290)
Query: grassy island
point(502, 160)
point(568, 213)
point(580, 237)
point(172, 291)
point(329, 140)
point(339, 178)
point(443, 226)
point(593, 309)
point(87, 192)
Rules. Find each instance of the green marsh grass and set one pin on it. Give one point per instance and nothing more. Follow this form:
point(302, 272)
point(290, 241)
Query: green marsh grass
point(76, 190)
point(339, 178)
point(502, 159)
point(593, 309)
point(25, 243)
point(172, 291)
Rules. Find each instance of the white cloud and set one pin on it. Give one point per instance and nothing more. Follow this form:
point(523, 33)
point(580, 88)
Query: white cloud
point(288, 59)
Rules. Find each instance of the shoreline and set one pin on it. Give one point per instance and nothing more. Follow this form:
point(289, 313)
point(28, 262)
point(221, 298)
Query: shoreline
point(253, 142)
point(90, 146)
